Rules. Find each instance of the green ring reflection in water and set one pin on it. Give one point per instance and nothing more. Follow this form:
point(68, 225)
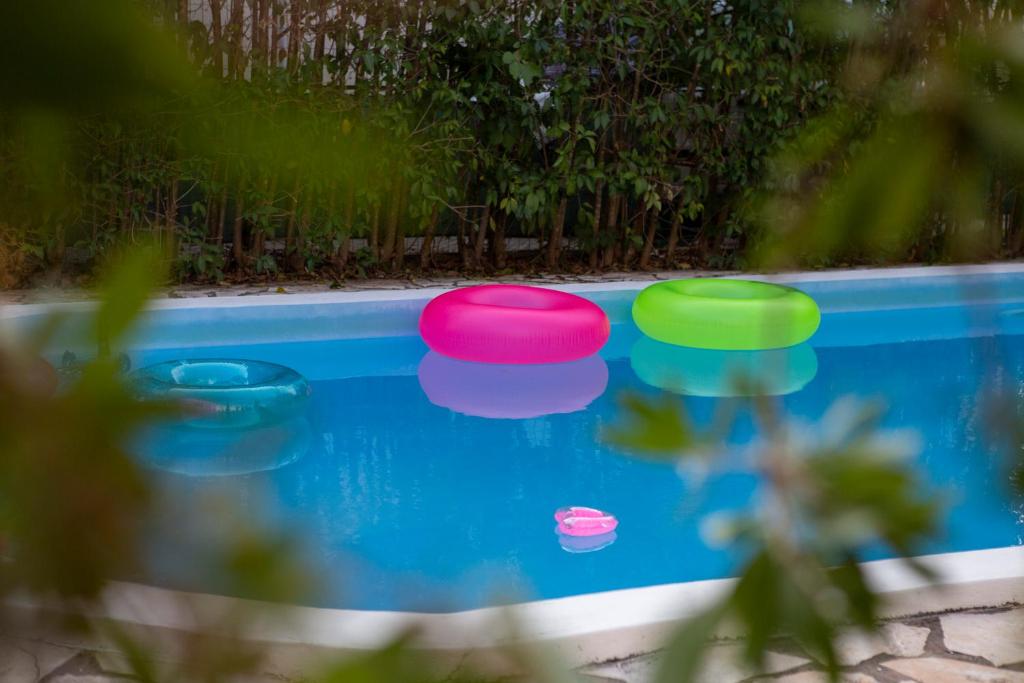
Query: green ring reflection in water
point(199, 452)
point(723, 374)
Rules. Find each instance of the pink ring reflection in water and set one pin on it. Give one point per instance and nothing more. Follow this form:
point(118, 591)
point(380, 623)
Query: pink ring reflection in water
point(512, 391)
point(586, 544)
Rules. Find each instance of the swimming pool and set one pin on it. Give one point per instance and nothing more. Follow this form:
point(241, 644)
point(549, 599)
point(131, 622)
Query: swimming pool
point(413, 483)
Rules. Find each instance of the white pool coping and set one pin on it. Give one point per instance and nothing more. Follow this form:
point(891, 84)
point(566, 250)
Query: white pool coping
point(414, 293)
point(581, 629)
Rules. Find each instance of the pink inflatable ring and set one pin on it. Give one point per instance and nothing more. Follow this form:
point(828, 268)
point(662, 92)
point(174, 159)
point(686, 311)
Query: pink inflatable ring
point(513, 324)
point(583, 521)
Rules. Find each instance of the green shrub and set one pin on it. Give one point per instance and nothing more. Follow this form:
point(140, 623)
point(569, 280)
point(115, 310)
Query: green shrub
point(630, 131)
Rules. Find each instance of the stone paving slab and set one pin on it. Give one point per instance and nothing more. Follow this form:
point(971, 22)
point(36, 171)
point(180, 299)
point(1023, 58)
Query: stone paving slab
point(968, 646)
point(908, 650)
point(998, 638)
point(892, 639)
point(817, 677)
point(943, 670)
point(720, 665)
point(29, 660)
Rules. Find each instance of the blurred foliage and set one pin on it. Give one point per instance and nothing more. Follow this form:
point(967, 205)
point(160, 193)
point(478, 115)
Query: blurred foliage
point(634, 130)
point(261, 137)
point(81, 465)
point(76, 511)
point(652, 426)
point(922, 155)
point(75, 508)
point(919, 156)
point(818, 133)
point(110, 55)
point(829, 492)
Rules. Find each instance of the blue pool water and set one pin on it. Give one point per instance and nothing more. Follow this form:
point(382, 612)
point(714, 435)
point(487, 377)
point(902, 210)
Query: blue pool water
point(401, 503)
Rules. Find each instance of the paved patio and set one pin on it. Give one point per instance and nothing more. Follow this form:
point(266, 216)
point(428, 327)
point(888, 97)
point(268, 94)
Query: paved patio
point(968, 646)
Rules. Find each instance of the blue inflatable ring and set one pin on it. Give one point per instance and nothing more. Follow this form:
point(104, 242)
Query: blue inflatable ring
point(225, 393)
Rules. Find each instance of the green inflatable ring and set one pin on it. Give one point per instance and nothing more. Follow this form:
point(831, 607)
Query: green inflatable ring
point(732, 315)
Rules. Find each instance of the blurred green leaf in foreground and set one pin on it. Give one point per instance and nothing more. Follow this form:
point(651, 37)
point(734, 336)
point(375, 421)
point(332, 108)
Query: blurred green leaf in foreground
point(929, 132)
point(74, 506)
point(921, 135)
point(929, 128)
point(100, 104)
point(829, 490)
point(70, 495)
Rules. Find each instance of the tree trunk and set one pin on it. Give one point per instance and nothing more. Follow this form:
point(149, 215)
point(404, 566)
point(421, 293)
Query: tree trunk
point(295, 34)
point(398, 256)
point(629, 232)
point(237, 248)
point(210, 219)
point(375, 233)
point(222, 212)
point(256, 35)
point(1016, 233)
point(995, 235)
point(651, 233)
point(344, 248)
point(388, 246)
point(259, 240)
point(320, 39)
point(266, 206)
point(293, 210)
point(596, 234)
point(216, 37)
point(555, 240)
point(350, 208)
point(171, 219)
point(481, 237)
point(183, 20)
point(290, 250)
point(345, 239)
point(461, 236)
point(305, 218)
point(498, 245)
point(236, 68)
point(611, 228)
point(428, 238)
point(158, 206)
point(673, 234)
point(60, 245)
point(261, 20)
point(258, 40)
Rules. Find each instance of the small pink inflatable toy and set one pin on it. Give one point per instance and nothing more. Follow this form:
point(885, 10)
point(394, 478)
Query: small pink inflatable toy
point(513, 324)
point(581, 521)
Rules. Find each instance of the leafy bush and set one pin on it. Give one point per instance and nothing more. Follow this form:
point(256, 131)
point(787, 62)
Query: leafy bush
point(630, 131)
point(323, 144)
